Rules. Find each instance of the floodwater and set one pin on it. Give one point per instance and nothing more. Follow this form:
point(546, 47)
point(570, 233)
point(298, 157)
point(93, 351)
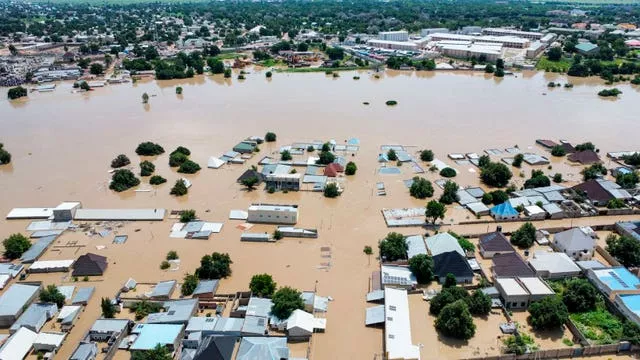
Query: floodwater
point(62, 144)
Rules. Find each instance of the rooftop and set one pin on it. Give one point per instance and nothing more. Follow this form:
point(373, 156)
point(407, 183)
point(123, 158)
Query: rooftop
point(512, 287)
point(16, 297)
point(535, 286)
point(443, 242)
point(150, 335)
point(616, 279)
point(553, 262)
point(398, 342)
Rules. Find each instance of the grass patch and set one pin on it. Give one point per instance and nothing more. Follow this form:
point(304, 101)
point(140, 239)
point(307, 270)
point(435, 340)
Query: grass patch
point(599, 326)
point(228, 55)
point(318, 69)
point(271, 63)
point(567, 341)
point(561, 65)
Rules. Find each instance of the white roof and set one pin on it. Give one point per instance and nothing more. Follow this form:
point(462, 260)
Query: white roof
point(51, 264)
point(442, 243)
point(397, 326)
point(119, 214)
point(511, 287)
point(553, 262)
point(214, 162)
point(30, 213)
point(265, 207)
point(54, 339)
point(397, 275)
point(18, 345)
point(238, 215)
point(68, 205)
point(535, 286)
point(68, 310)
point(301, 319)
point(4, 279)
point(533, 210)
point(416, 246)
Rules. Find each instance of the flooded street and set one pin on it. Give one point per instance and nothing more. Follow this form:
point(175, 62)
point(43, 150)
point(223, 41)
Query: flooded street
point(62, 144)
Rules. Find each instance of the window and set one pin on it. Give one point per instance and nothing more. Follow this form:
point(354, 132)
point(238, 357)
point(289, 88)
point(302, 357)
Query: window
point(392, 307)
point(515, 304)
point(389, 318)
point(522, 304)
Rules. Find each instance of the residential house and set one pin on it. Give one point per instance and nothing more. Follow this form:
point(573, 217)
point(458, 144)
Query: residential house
point(585, 157)
point(614, 281)
point(251, 174)
point(504, 211)
point(90, 265)
point(587, 48)
point(397, 277)
point(206, 290)
point(85, 351)
point(68, 316)
point(215, 348)
point(601, 191)
point(245, 147)
point(520, 292)
point(105, 329)
point(18, 345)
point(283, 181)
point(510, 265)
point(553, 265)
point(14, 301)
point(263, 348)
point(575, 243)
point(176, 312)
point(416, 246)
point(151, 335)
point(494, 243)
point(301, 324)
point(48, 341)
point(443, 242)
point(452, 262)
point(34, 317)
point(273, 214)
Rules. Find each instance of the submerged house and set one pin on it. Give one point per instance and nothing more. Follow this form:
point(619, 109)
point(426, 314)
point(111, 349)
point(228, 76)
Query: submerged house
point(452, 262)
point(504, 211)
point(575, 243)
point(90, 265)
point(14, 301)
point(494, 243)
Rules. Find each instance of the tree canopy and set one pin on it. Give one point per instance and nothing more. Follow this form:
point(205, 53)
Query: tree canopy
point(434, 211)
point(524, 236)
point(189, 285)
point(421, 188)
point(548, 313)
point(351, 168)
point(495, 174)
point(108, 308)
point(285, 301)
point(262, 285)
point(421, 266)
point(580, 296)
point(450, 194)
point(51, 294)
point(447, 296)
point(15, 245)
point(123, 179)
point(160, 352)
point(426, 155)
point(179, 188)
point(120, 161)
point(455, 321)
point(214, 266)
point(625, 249)
point(331, 190)
point(149, 148)
point(393, 247)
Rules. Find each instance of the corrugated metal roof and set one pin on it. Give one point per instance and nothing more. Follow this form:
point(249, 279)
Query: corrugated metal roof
point(37, 248)
point(119, 214)
point(15, 298)
point(83, 295)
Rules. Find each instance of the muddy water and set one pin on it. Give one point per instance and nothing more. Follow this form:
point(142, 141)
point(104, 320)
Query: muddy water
point(62, 144)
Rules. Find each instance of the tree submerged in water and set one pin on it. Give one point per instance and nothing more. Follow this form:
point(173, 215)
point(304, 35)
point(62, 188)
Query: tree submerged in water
point(145, 98)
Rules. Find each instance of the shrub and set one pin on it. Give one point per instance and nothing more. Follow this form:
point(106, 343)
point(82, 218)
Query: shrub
point(181, 150)
point(15, 245)
point(227, 73)
point(147, 168)
point(16, 92)
point(270, 137)
point(285, 155)
point(172, 255)
point(188, 216)
point(421, 188)
point(548, 313)
point(391, 155)
point(164, 265)
point(455, 321)
point(421, 266)
point(262, 285)
point(177, 159)
point(426, 155)
point(393, 247)
point(558, 150)
point(122, 180)
point(495, 174)
point(179, 189)
point(615, 204)
point(277, 234)
point(189, 167)
point(285, 301)
point(120, 161)
point(268, 74)
point(326, 158)
point(524, 236)
point(5, 156)
point(179, 90)
point(628, 181)
point(391, 103)
point(310, 148)
point(149, 149)
point(447, 172)
point(331, 190)
point(157, 180)
point(351, 168)
point(517, 160)
point(610, 92)
point(108, 308)
point(557, 178)
point(214, 266)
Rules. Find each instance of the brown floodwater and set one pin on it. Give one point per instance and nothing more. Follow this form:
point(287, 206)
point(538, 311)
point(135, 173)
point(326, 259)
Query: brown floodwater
point(62, 144)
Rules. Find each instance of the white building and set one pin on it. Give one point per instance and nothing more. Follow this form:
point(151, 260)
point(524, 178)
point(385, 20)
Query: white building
point(553, 265)
point(490, 52)
point(511, 32)
point(575, 243)
point(397, 326)
point(535, 49)
point(425, 32)
point(301, 324)
point(394, 35)
point(506, 41)
point(393, 45)
point(273, 214)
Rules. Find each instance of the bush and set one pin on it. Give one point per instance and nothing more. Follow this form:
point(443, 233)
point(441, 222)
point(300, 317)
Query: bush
point(179, 90)
point(262, 285)
point(393, 247)
point(120, 161)
point(580, 296)
point(421, 188)
point(450, 194)
point(157, 180)
point(177, 159)
point(144, 308)
point(455, 321)
point(122, 180)
point(391, 103)
point(147, 168)
point(179, 189)
point(421, 266)
point(616, 204)
point(5, 156)
point(557, 178)
point(495, 174)
point(268, 74)
point(489, 69)
point(517, 160)
point(464, 243)
point(310, 148)
point(391, 155)
point(524, 236)
point(548, 313)
point(285, 155)
point(188, 216)
point(285, 301)
point(351, 168)
point(331, 190)
point(625, 249)
point(487, 198)
point(16, 92)
point(214, 266)
point(326, 158)
point(181, 150)
point(610, 92)
point(227, 73)
point(189, 167)
point(149, 149)
point(172, 255)
point(426, 155)
point(558, 151)
point(189, 285)
point(447, 172)
point(499, 73)
point(270, 137)
point(628, 181)
point(164, 265)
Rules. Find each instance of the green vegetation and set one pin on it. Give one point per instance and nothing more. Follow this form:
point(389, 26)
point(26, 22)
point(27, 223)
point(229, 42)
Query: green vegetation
point(495, 197)
point(538, 179)
point(250, 182)
point(609, 92)
point(489, 69)
point(325, 157)
point(108, 308)
point(391, 155)
point(391, 103)
point(558, 150)
point(585, 146)
point(524, 236)
point(262, 285)
point(421, 266)
point(147, 168)
point(450, 194)
point(188, 216)
point(172, 255)
point(517, 160)
point(16, 92)
point(616, 204)
point(51, 294)
point(123, 179)
point(393, 247)
point(179, 188)
point(149, 148)
point(447, 296)
point(579, 295)
point(421, 188)
point(214, 266)
point(277, 234)
point(557, 178)
point(455, 321)
point(164, 265)
point(560, 66)
point(331, 190)
point(593, 172)
point(270, 137)
point(434, 211)
point(285, 155)
point(189, 167)
point(599, 325)
point(628, 181)
point(367, 250)
point(145, 96)
point(96, 69)
point(177, 159)
point(351, 168)
point(633, 159)
point(464, 243)
point(144, 308)
point(189, 285)
point(520, 344)
point(447, 172)
point(179, 90)
point(625, 249)
point(495, 174)
point(426, 155)
point(157, 180)
point(397, 62)
point(285, 301)
point(5, 156)
point(548, 313)
point(120, 161)
point(159, 352)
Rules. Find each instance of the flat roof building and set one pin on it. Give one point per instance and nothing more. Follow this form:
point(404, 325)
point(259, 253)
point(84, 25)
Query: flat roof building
point(553, 265)
point(397, 326)
point(512, 32)
point(150, 335)
point(613, 281)
point(18, 345)
point(393, 45)
point(176, 312)
point(273, 214)
point(397, 277)
point(397, 36)
point(34, 317)
point(14, 301)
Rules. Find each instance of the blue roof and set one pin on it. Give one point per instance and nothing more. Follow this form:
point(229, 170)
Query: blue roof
point(37, 249)
point(586, 47)
point(504, 209)
point(150, 335)
point(163, 288)
point(83, 295)
point(632, 302)
point(16, 297)
point(618, 279)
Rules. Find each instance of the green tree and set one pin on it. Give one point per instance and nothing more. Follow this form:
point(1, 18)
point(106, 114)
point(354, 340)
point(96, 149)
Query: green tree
point(585, 146)
point(447, 172)
point(421, 266)
point(325, 158)
point(557, 178)
point(268, 74)
point(172, 255)
point(145, 98)
point(393, 247)
point(449, 281)
point(331, 190)
point(391, 155)
point(517, 160)
point(189, 167)
point(489, 69)
point(250, 182)
point(524, 236)
point(434, 211)
point(85, 86)
point(538, 179)
point(216, 66)
point(147, 168)
point(120, 161)
point(450, 194)
point(495, 174)
point(5, 156)
point(554, 54)
point(179, 188)
point(214, 266)
point(580, 296)
point(262, 285)
point(464, 243)
point(149, 148)
point(123, 179)
point(479, 303)
point(108, 308)
point(13, 50)
point(96, 69)
point(628, 181)
point(426, 155)
point(616, 204)
point(227, 73)
point(558, 151)
point(631, 332)
point(445, 297)
point(548, 313)
point(177, 159)
point(483, 161)
point(179, 90)
point(16, 92)
point(160, 352)
point(499, 73)
point(285, 155)
point(455, 321)
point(593, 172)
point(164, 265)
point(51, 294)
point(157, 180)
point(367, 250)
point(285, 301)
point(270, 137)
point(625, 249)
point(421, 188)
point(351, 168)
point(189, 285)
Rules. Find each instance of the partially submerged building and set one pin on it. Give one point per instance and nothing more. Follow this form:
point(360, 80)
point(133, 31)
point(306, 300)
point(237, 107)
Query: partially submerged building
point(18, 345)
point(301, 325)
point(397, 277)
point(289, 182)
point(15, 300)
point(553, 265)
point(452, 262)
point(504, 211)
point(519, 293)
point(614, 281)
point(273, 214)
point(263, 348)
point(176, 312)
point(510, 265)
point(575, 243)
point(494, 243)
point(34, 317)
point(151, 335)
point(397, 326)
point(443, 242)
point(90, 265)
